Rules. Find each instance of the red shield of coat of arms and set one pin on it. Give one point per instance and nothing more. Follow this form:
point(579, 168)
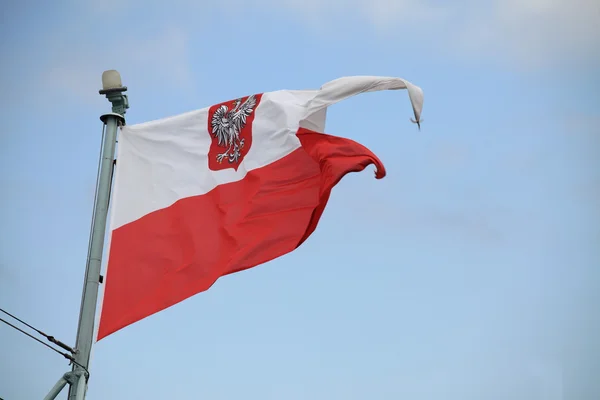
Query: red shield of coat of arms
point(230, 128)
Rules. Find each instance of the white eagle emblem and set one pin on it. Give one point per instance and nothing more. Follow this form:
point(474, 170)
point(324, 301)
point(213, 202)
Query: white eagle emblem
point(226, 127)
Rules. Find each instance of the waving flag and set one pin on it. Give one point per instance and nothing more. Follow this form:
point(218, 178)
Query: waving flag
point(222, 189)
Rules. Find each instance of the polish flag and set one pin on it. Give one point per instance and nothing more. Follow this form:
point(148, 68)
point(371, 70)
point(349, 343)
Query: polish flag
point(223, 189)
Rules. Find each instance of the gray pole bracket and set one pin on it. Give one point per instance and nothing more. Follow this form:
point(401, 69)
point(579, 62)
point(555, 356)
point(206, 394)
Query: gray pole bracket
point(120, 102)
point(69, 378)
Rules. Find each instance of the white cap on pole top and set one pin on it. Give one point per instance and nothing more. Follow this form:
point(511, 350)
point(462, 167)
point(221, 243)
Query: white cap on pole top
point(111, 79)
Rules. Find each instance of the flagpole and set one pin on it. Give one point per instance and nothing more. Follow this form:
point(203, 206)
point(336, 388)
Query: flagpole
point(113, 90)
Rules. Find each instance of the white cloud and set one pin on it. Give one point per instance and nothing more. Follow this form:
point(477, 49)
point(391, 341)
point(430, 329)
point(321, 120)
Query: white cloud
point(527, 33)
point(519, 33)
point(535, 32)
point(75, 68)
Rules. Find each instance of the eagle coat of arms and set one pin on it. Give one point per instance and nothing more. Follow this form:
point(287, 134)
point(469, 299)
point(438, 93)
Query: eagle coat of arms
point(230, 126)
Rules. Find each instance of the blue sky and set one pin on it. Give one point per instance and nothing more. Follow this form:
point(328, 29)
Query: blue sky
point(469, 272)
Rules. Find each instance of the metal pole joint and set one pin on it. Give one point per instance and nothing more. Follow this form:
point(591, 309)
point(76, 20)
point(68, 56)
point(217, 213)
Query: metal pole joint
point(70, 377)
point(119, 101)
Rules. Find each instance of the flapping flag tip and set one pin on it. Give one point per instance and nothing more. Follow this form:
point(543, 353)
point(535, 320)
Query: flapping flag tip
point(418, 122)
